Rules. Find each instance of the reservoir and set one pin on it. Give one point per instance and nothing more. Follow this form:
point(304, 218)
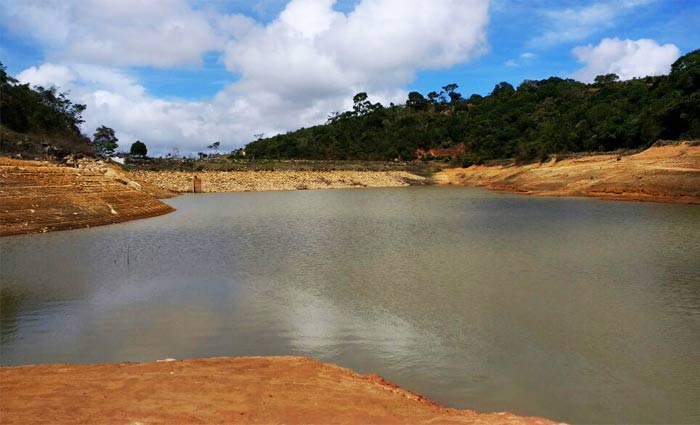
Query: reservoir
point(572, 309)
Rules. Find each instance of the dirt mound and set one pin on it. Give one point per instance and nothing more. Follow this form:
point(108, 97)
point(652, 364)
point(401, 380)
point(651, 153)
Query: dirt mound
point(263, 390)
point(40, 197)
point(662, 173)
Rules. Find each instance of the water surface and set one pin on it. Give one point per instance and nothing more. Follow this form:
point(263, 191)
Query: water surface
point(573, 309)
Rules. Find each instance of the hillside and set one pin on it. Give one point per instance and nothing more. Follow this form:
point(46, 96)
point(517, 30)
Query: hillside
point(538, 119)
point(36, 121)
point(662, 173)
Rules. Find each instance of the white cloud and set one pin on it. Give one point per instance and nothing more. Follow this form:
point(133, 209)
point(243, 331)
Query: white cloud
point(120, 33)
point(312, 57)
point(47, 75)
point(292, 71)
point(626, 58)
point(524, 60)
point(577, 23)
point(115, 99)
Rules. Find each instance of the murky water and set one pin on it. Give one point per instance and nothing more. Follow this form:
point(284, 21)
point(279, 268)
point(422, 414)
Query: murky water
point(573, 309)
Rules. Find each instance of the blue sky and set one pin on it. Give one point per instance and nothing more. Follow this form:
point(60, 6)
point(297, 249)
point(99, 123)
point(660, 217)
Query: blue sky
point(179, 73)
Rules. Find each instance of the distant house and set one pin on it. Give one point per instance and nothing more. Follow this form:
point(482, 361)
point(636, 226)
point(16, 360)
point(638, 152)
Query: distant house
point(441, 153)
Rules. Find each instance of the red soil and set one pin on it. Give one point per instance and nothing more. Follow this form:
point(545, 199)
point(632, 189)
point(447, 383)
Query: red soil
point(267, 390)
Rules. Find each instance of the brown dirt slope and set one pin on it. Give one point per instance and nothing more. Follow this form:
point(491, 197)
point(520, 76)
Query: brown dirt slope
point(39, 197)
point(662, 173)
point(257, 390)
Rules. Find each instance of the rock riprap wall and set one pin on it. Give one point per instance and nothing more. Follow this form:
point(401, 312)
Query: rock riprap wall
point(254, 181)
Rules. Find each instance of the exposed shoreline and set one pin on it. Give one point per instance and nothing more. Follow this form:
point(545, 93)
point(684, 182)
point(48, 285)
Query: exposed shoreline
point(220, 390)
point(667, 173)
point(37, 197)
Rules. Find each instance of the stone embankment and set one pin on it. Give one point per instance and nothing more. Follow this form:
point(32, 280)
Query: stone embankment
point(39, 197)
point(254, 181)
point(666, 172)
point(251, 390)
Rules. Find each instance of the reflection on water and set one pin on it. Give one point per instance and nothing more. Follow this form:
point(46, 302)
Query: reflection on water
point(573, 309)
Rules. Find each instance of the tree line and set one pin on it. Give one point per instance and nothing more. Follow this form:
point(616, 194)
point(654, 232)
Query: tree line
point(532, 121)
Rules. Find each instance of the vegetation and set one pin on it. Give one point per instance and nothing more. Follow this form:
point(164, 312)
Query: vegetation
point(104, 141)
point(535, 120)
point(138, 149)
point(34, 120)
point(231, 164)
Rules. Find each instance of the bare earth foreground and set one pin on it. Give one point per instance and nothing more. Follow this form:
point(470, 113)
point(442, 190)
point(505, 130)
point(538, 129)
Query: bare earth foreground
point(662, 173)
point(267, 390)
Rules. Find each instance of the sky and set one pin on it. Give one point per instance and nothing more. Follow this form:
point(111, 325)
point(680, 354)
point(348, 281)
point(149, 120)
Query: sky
point(182, 74)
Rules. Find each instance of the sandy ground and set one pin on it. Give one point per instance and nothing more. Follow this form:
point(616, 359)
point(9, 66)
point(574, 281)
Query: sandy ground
point(255, 181)
point(40, 197)
point(669, 173)
point(256, 390)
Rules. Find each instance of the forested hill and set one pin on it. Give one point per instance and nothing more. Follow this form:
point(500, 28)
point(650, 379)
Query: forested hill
point(31, 118)
point(536, 119)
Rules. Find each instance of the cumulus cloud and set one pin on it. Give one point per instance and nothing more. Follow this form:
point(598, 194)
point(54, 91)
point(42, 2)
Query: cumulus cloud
point(576, 23)
point(308, 61)
point(313, 55)
point(115, 99)
point(47, 75)
point(626, 58)
point(120, 33)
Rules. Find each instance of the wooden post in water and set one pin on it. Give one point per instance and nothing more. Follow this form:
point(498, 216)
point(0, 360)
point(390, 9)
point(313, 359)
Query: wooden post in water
point(197, 185)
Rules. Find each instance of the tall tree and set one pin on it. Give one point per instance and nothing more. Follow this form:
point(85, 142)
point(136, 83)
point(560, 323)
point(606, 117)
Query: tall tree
point(361, 105)
point(416, 101)
point(104, 141)
point(454, 96)
point(215, 147)
point(138, 148)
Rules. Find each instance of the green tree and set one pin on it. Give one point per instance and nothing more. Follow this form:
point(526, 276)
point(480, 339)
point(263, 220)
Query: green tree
point(454, 96)
point(138, 148)
point(541, 118)
point(603, 80)
point(215, 147)
point(416, 101)
point(104, 141)
point(502, 88)
point(361, 105)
